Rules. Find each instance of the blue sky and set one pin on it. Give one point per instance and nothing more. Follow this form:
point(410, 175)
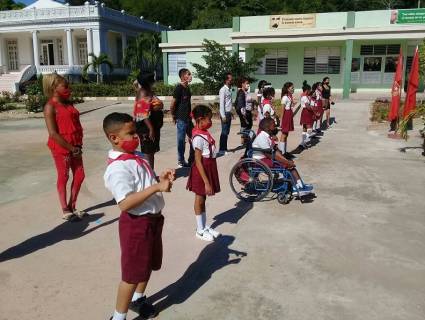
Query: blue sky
point(27, 2)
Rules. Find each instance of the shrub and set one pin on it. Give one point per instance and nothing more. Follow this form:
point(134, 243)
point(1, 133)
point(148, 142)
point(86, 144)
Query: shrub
point(35, 103)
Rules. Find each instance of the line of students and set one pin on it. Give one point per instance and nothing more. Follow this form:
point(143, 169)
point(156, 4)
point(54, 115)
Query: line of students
point(134, 185)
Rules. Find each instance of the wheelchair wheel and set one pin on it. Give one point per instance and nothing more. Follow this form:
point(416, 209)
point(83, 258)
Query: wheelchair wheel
point(251, 180)
point(284, 197)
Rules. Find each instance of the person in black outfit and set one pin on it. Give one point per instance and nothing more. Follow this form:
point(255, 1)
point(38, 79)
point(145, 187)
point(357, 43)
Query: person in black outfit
point(241, 102)
point(327, 101)
point(180, 111)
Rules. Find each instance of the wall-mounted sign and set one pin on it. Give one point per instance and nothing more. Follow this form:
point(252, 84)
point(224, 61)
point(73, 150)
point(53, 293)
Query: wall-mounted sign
point(291, 21)
point(408, 16)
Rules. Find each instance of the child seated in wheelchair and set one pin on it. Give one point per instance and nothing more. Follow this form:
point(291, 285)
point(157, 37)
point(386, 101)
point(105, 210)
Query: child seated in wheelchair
point(273, 157)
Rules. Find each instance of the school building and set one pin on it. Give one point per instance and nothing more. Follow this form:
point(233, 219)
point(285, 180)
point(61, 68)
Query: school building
point(357, 50)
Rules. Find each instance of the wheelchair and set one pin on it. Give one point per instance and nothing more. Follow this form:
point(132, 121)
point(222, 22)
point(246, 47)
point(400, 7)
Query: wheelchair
point(252, 180)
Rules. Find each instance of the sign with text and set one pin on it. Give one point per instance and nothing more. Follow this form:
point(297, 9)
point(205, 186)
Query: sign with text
point(291, 21)
point(408, 16)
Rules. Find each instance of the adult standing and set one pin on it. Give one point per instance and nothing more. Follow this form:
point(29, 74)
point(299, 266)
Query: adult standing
point(65, 141)
point(326, 96)
point(225, 96)
point(148, 116)
point(243, 84)
point(180, 111)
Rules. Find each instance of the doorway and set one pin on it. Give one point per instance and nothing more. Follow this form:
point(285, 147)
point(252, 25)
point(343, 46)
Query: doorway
point(47, 52)
point(12, 55)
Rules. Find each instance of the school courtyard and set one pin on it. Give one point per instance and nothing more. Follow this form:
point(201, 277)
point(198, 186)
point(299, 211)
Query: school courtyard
point(356, 251)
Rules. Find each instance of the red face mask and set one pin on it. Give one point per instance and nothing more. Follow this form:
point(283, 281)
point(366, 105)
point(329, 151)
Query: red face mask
point(130, 145)
point(206, 126)
point(64, 93)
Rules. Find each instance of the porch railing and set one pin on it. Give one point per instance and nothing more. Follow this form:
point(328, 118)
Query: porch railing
point(60, 69)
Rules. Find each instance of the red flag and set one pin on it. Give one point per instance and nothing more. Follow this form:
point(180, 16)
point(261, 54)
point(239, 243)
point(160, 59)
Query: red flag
point(395, 91)
point(410, 103)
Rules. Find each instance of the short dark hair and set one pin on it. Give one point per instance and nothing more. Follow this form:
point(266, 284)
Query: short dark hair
point(115, 121)
point(268, 92)
point(325, 78)
point(265, 124)
point(261, 84)
point(182, 72)
point(201, 111)
point(146, 80)
point(226, 76)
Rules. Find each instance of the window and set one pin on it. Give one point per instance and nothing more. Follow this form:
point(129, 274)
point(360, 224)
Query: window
point(60, 52)
point(176, 61)
point(355, 65)
point(390, 64)
point(275, 62)
point(379, 49)
point(82, 52)
point(372, 64)
point(323, 60)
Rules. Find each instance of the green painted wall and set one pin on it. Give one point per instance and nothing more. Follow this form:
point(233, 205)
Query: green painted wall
point(377, 18)
point(197, 36)
point(296, 65)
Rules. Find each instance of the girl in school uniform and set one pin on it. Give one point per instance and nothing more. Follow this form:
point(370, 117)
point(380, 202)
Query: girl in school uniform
point(316, 95)
point(203, 178)
point(148, 116)
point(65, 142)
point(287, 123)
point(307, 115)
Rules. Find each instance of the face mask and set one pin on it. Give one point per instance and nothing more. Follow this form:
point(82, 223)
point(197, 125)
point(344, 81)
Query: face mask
point(64, 94)
point(206, 126)
point(274, 132)
point(130, 145)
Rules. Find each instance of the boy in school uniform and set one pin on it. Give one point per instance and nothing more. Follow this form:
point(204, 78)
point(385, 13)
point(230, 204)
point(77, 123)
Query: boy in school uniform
point(138, 193)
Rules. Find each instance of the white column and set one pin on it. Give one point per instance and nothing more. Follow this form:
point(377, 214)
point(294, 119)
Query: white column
point(89, 46)
point(69, 47)
point(1, 55)
point(36, 51)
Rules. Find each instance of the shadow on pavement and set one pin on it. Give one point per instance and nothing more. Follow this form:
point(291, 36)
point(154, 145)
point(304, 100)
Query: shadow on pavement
point(232, 215)
point(182, 172)
point(64, 231)
point(101, 205)
point(212, 258)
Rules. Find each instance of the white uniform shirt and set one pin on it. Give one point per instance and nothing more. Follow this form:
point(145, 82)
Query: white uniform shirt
point(124, 177)
point(200, 142)
point(305, 102)
point(287, 102)
point(262, 141)
point(249, 101)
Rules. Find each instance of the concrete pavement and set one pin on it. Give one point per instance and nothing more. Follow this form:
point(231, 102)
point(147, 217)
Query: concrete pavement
point(355, 252)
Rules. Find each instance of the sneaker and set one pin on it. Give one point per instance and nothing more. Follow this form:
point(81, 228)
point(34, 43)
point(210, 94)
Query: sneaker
point(213, 232)
point(183, 164)
point(205, 235)
point(302, 192)
point(143, 308)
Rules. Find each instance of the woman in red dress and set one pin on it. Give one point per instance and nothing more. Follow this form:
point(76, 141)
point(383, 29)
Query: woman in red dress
point(65, 141)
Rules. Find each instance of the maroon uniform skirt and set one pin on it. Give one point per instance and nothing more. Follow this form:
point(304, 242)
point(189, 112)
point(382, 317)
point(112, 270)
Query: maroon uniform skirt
point(195, 182)
point(287, 123)
point(317, 112)
point(307, 117)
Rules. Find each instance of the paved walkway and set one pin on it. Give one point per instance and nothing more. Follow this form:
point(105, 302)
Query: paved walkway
point(356, 252)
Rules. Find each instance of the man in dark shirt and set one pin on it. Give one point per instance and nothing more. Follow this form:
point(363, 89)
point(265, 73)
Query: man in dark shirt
point(180, 110)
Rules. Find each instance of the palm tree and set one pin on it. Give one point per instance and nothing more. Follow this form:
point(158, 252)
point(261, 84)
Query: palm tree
point(143, 53)
point(96, 63)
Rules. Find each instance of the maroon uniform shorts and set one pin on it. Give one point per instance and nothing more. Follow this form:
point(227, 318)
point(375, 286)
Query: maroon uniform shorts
point(141, 246)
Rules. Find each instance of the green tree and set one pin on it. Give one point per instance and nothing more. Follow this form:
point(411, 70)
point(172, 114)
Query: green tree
point(96, 64)
point(219, 61)
point(10, 5)
point(143, 53)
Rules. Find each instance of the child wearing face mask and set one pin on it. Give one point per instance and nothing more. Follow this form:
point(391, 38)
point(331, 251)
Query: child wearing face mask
point(138, 193)
point(287, 124)
point(203, 178)
point(65, 142)
point(265, 140)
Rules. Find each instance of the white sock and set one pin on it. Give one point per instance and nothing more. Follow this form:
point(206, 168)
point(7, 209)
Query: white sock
point(119, 316)
point(204, 218)
point(299, 183)
point(309, 134)
point(137, 295)
point(282, 147)
point(303, 138)
point(199, 222)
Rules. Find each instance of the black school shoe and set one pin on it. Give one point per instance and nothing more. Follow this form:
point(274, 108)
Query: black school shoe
point(143, 308)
